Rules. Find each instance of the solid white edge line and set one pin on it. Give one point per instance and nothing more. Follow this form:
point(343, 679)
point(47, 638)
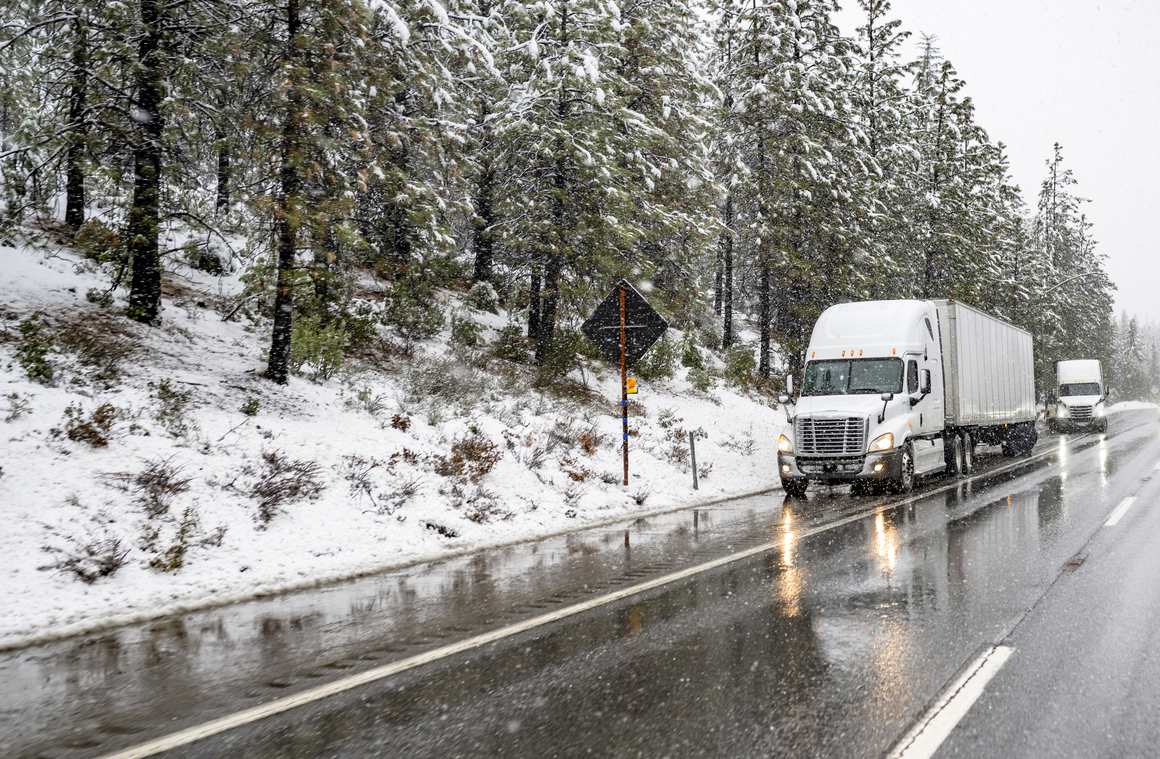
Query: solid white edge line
point(940, 719)
point(277, 706)
point(1120, 511)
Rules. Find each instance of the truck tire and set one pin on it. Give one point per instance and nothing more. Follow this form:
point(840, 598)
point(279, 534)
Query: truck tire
point(968, 453)
point(905, 481)
point(795, 488)
point(1020, 439)
point(954, 456)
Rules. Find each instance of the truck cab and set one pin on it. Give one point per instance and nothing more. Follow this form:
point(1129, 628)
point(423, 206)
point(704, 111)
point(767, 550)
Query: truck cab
point(1080, 397)
point(871, 402)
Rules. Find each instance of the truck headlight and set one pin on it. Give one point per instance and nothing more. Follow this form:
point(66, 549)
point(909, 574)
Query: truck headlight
point(882, 443)
point(1061, 411)
point(784, 445)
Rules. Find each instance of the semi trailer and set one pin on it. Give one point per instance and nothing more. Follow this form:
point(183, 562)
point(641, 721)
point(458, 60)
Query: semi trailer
point(1080, 397)
point(896, 390)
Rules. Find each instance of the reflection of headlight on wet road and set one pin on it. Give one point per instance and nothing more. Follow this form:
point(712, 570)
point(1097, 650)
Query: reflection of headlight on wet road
point(885, 541)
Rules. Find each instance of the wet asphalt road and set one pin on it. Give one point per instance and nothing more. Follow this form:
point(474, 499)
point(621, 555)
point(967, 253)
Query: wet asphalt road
point(831, 643)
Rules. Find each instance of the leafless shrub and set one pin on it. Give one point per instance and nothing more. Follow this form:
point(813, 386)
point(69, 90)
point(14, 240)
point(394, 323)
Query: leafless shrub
point(99, 345)
point(447, 532)
point(17, 406)
point(400, 422)
point(576, 471)
point(529, 448)
point(481, 506)
point(677, 445)
point(172, 408)
point(281, 481)
point(704, 469)
point(401, 488)
point(640, 495)
point(443, 385)
point(609, 478)
point(154, 487)
point(93, 429)
point(172, 557)
point(472, 457)
point(97, 552)
point(369, 402)
point(574, 492)
point(746, 446)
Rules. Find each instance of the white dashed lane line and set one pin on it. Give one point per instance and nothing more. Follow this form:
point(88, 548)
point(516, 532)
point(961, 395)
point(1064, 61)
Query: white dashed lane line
point(1120, 511)
point(940, 719)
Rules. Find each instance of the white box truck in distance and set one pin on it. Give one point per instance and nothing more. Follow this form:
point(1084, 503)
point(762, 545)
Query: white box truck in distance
point(1080, 397)
point(893, 390)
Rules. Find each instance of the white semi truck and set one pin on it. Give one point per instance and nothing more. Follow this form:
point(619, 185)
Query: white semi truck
point(1080, 397)
point(894, 390)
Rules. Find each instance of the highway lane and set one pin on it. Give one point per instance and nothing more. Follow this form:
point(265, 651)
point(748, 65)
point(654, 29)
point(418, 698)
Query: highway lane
point(1083, 679)
point(830, 644)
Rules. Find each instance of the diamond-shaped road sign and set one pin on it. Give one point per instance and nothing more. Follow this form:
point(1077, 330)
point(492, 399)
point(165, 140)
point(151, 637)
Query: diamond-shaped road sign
point(642, 326)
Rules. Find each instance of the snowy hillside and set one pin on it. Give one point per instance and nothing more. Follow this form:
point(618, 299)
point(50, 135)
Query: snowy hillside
point(150, 470)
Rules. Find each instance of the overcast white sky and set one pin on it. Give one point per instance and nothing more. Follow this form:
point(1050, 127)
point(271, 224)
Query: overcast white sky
point(1083, 73)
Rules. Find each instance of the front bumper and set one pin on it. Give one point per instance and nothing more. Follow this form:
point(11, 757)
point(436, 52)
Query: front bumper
point(838, 470)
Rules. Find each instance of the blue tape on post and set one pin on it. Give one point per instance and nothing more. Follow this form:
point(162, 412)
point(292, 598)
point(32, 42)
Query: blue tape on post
point(626, 437)
point(625, 420)
point(624, 402)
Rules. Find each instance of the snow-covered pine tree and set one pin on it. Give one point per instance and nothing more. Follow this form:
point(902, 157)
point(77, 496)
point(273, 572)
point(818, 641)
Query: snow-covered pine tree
point(317, 134)
point(799, 146)
point(1076, 302)
point(666, 164)
point(563, 128)
point(885, 114)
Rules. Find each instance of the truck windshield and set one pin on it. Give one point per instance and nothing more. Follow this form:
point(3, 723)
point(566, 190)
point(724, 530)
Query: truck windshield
point(863, 375)
point(1079, 388)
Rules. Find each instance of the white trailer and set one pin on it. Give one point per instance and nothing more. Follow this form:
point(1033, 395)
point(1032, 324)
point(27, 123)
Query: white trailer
point(1079, 398)
point(892, 390)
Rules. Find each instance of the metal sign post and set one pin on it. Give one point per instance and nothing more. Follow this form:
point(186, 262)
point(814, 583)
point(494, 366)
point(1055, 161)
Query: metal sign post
point(623, 381)
point(623, 327)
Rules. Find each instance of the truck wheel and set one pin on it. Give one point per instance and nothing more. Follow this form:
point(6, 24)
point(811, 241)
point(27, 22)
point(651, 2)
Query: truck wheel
point(905, 481)
point(968, 453)
point(1020, 439)
point(1030, 437)
point(954, 456)
point(794, 488)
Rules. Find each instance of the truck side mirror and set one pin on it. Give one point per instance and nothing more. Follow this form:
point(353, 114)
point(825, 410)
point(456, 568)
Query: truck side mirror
point(924, 381)
point(789, 385)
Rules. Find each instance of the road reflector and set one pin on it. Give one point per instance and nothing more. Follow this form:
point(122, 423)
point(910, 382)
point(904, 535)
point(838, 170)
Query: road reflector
point(631, 385)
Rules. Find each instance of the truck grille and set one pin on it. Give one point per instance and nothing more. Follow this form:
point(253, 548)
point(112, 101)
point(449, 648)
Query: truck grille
point(1081, 413)
point(834, 436)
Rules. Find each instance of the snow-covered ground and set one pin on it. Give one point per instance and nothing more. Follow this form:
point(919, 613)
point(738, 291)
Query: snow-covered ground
point(162, 445)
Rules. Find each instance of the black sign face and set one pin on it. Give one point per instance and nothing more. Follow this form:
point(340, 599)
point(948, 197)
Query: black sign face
point(643, 326)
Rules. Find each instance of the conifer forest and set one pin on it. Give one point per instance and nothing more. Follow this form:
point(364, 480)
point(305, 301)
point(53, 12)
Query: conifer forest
point(744, 158)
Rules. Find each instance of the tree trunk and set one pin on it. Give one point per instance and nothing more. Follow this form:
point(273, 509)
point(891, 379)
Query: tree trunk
point(534, 304)
point(223, 171)
point(144, 215)
point(766, 315)
point(483, 241)
point(555, 263)
point(74, 206)
point(727, 265)
point(278, 368)
point(551, 299)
